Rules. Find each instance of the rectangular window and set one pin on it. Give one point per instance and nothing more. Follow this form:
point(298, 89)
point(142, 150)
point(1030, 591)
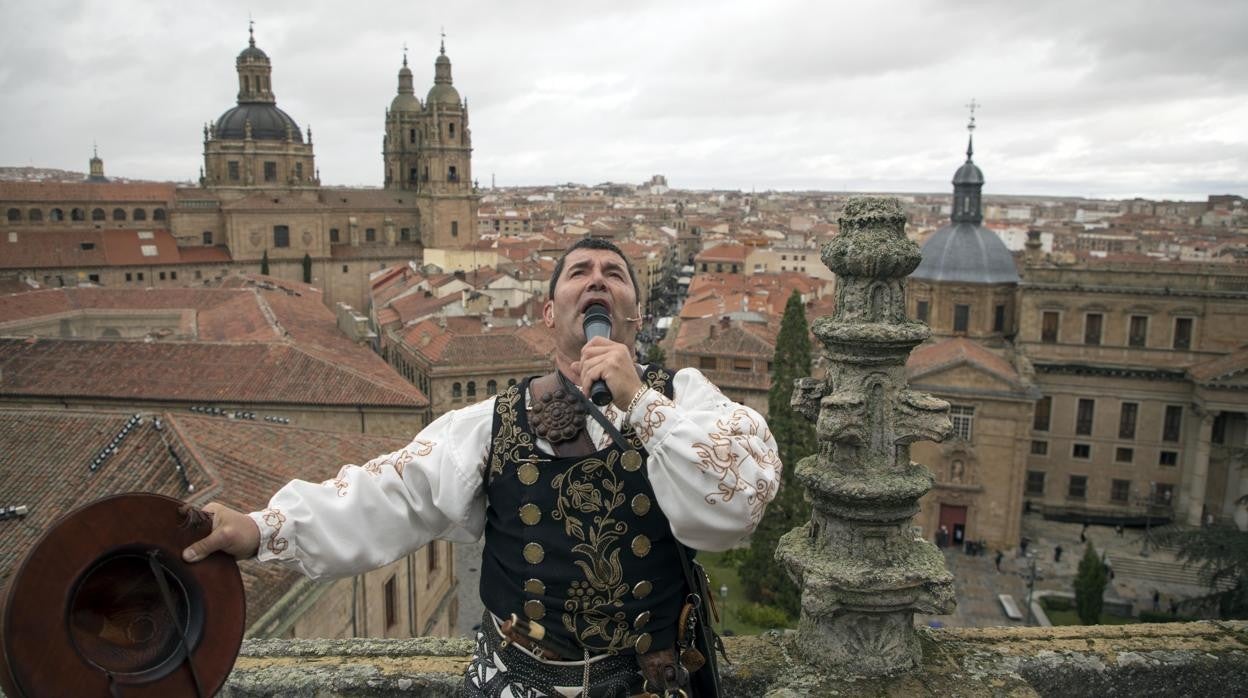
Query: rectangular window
point(706, 363)
point(962, 416)
point(1137, 335)
point(162, 276)
point(998, 319)
point(405, 234)
point(742, 365)
point(199, 274)
point(207, 237)
point(1044, 408)
point(1092, 328)
point(95, 278)
point(333, 235)
point(1048, 327)
point(1173, 425)
point(173, 276)
point(1078, 487)
point(299, 171)
point(1119, 491)
point(140, 276)
point(1035, 483)
point(1218, 435)
point(345, 268)
point(411, 135)
point(1170, 458)
point(1081, 451)
point(921, 311)
point(232, 170)
point(454, 229)
point(370, 235)
point(391, 597)
point(1126, 420)
point(1083, 416)
point(1183, 333)
point(1123, 454)
point(281, 236)
point(961, 317)
point(270, 171)
point(129, 276)
point(1039, 448)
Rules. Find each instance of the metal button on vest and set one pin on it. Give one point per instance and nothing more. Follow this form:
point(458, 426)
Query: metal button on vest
point(631, 460)
point(642, 589)
point(534, 609)
point(530, 514)
point(534, 553)
point(641, 546)
point(643, 643)
point(527, 473)
point(641, 505)
point(642, 619)
point(535, 587)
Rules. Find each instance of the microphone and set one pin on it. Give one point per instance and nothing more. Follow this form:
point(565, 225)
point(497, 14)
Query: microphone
point(597, 323)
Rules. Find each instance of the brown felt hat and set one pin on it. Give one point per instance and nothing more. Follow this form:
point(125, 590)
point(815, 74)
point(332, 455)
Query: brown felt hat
point(104, 605)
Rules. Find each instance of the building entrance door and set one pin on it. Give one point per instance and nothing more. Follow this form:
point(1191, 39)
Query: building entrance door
point(953, 520)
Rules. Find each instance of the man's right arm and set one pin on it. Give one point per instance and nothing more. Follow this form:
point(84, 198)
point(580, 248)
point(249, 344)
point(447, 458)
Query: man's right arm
point(371, 514)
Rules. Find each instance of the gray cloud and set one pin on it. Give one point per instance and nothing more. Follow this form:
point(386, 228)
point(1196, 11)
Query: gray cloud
point(1116, 98)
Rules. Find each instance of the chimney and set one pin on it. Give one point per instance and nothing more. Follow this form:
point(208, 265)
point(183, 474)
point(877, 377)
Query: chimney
point(725, 322)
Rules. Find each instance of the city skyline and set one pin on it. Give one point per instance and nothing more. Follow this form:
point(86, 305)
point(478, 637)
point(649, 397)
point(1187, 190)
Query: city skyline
point(712, 95)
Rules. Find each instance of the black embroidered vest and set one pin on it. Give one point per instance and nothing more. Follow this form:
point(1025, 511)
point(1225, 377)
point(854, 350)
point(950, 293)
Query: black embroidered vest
point(578, 544)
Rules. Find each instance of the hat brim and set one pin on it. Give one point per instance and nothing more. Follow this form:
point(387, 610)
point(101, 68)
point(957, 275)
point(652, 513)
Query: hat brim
point(85, 608)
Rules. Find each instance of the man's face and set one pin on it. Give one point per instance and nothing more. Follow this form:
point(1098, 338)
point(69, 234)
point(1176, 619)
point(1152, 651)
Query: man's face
point(591, 276)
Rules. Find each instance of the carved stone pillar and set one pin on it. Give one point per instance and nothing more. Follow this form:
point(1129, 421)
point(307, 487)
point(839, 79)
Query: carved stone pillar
point(1198, 476)
point(862, 571)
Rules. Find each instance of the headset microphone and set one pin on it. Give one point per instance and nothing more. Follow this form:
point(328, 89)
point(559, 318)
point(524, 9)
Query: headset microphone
point(597, 323)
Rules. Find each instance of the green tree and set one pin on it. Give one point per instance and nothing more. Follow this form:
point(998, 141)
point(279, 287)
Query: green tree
point(1221, 555)
point(307, 268)
point(1090, 583)
point(264, 263)
point(765, 579)
point(655, 355)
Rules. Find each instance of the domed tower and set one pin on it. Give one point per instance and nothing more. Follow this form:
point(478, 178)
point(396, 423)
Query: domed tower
point(448, 201)
point(401, 144)
point(256, 144)
point(966, 283)
point(97, 167)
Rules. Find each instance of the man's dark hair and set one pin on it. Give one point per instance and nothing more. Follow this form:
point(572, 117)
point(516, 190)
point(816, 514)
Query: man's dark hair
point(589, 243)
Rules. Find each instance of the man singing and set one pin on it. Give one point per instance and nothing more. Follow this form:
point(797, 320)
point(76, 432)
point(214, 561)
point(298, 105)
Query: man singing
point(584, 508)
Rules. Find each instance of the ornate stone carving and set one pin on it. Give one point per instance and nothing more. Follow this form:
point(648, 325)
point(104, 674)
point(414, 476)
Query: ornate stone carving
point(862, 571)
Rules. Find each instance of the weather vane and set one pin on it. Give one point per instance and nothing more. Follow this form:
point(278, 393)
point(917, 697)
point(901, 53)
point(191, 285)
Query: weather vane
point(443, 40)
point(972, 106)
point(404, 53)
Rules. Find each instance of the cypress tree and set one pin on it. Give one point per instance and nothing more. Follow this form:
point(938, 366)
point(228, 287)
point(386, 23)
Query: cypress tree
point(765, 579)
point(264, 263)
point(307, 268)
point(1090, 583)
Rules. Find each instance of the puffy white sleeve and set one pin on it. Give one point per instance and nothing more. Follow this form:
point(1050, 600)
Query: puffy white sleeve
point(713, 463)
point(373, 514)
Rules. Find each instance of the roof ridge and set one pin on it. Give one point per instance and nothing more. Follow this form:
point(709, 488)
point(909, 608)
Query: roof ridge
point(350, 370)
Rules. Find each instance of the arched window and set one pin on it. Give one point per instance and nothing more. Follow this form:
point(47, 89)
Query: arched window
point(491, 387)
point(139, 214)
point(119, 214)
point(56, 215)
point(457, 390)
point(472, 390)
point(15, 215)
point(511, 382)
point(97, 214)
point(158, 214)
point(35, 214)
point(77, 214)
point(247, 83)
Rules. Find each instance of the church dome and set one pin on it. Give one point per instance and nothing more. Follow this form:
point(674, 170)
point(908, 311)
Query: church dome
point(252, 53)
point(402, 102)
point(445, 95)
point(968, 173)
point(268, 123)
point(969, 253)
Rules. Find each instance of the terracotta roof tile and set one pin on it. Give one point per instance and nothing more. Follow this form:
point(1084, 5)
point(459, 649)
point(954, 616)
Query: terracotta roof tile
point(50, 249)
point(1220, 368)
point(931, 358)
point(87, 192)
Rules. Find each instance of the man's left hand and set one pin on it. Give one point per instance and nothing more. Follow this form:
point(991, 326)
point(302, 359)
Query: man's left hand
point(613, 363)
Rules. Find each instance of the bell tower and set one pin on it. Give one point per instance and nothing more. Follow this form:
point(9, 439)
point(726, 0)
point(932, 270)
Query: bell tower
point(404, 135)
point(445, 189)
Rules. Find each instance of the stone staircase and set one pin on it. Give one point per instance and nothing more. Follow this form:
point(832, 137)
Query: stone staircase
point(1159, 571)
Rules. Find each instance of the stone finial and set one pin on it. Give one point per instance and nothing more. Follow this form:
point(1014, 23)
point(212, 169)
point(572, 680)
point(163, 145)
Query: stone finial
point(862, 571)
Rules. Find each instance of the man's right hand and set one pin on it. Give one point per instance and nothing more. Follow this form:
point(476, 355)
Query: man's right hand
point(232, 531)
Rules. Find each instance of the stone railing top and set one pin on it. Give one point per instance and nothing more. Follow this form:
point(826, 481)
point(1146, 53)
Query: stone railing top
point(1206, 658)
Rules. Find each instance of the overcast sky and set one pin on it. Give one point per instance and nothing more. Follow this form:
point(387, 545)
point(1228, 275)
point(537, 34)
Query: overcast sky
point(1109, 99)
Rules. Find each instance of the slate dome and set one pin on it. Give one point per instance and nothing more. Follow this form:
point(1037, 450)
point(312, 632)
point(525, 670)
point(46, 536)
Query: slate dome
point(268, 123)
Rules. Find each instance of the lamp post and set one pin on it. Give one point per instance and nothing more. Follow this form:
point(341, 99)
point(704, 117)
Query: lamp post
point(1031, 583)
point(723, 601)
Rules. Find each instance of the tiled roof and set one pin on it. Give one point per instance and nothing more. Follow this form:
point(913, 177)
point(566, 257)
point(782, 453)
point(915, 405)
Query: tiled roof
point(258, 340)
point(279, 202)
point(938, 356)
point(723, 253)
point(369, 198)
point(711, 336)
point(1221, 368)
point(89, 247)
point(240, 464)
point(86, 192)
point(469, 348)
point(417, 306)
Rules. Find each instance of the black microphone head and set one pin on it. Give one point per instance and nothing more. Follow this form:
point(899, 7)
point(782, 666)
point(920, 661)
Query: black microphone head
point(597, 322)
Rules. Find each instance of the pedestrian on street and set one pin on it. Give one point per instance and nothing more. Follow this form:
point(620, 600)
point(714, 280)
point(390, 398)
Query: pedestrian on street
point(1156, 600)
point(1174, 607)
point(1057, 554)
point(1118, 530)
point(1083, 533)
point(1000, 556)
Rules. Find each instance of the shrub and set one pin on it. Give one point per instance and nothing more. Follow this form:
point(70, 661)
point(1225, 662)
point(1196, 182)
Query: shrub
point(763, 616)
